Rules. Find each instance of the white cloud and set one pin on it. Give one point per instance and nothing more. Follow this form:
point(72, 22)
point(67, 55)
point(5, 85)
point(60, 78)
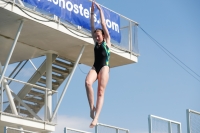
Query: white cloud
point(72, 122)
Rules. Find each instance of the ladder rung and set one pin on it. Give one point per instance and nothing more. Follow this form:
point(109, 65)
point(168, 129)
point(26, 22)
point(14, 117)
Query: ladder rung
point(60, 71)
point(44, 82)
point(36, 93)
point(34, 100)
point(32, 106)
point(62, 64)
point(58, 78)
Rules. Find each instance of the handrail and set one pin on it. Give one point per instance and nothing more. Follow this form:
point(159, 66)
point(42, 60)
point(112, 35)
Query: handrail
point(100, 124)
point(36, 86)
point(71, 129)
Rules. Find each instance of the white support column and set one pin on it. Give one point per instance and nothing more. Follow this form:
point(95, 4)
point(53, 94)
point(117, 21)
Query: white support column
point(48, 85)
point(10, 98)
point(11, 51)
point(67, 84)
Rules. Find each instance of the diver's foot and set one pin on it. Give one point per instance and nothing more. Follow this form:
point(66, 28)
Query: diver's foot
point(94, 123)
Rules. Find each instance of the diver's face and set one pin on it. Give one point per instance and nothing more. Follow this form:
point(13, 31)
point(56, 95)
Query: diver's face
point(99, 36)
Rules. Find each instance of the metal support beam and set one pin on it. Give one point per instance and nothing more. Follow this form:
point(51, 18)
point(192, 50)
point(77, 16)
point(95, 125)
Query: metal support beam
point(26, 106)
point(11, 51)
point(32, 64)
point(48, 94)
point(67, 84)
point(36, 76)
point(10, 98)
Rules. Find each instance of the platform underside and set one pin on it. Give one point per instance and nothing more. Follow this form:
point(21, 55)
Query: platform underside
point(37, 38)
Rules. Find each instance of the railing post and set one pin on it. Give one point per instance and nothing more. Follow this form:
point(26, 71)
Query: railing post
point(117, 130)
point(96, 128)
point(169, 127)
point(130, 38)
point(65, 130)
point(150, 124)
point(179, 129)
point(5, 129)
point(135, 40)
point(188, 120)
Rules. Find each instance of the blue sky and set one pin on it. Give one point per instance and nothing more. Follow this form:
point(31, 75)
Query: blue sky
point(156, 84)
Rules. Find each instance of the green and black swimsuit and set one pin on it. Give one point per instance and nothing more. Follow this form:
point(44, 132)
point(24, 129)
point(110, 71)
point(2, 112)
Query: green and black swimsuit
point(101, 56)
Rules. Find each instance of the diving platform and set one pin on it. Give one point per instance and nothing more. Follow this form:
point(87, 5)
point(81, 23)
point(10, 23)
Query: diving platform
point(27, 33)
point(37, 37)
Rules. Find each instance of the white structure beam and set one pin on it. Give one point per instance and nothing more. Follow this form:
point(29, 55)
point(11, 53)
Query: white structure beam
point(10, 98)
point(67, 84)
point(48, 94)
point(11, 51)
point(26, 106)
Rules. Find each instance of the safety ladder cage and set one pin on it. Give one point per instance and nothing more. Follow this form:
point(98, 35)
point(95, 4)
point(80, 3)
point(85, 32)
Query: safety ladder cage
point(193, 121)
point(103, 128)
point(16, 130)
point(163, 125)
point(71, 130)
